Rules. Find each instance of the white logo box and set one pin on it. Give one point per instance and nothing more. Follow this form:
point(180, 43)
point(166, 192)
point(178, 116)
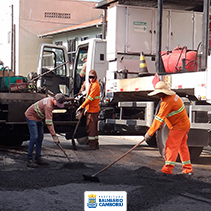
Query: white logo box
point(105, 200)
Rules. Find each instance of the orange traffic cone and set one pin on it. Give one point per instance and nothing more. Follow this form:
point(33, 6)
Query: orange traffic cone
point(143, 66)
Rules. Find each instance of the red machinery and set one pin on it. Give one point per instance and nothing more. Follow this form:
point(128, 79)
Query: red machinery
point(179, 59)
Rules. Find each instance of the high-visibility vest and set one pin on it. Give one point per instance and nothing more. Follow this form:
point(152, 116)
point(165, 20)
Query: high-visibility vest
point(172, 111)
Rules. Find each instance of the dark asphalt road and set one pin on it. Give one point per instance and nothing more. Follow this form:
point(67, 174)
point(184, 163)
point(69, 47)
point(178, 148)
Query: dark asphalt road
point(60, 185)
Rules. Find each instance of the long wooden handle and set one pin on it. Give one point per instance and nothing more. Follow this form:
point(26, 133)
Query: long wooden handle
point(59, 145)
point(118, 158)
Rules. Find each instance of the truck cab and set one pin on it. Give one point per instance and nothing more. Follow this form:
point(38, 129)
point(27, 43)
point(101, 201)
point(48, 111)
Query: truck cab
point(56, 79)
point(95, 50)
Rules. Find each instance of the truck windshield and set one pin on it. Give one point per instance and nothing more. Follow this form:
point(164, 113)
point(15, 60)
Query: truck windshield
point(53, 57)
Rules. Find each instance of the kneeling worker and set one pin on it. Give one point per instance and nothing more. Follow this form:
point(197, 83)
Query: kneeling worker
point(172, 111)
point(34, 116)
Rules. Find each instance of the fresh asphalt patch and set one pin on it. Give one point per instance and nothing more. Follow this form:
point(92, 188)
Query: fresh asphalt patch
point(61, 182)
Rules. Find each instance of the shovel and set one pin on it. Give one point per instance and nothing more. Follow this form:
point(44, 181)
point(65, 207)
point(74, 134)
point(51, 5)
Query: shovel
point(73, 136)
point(76, 127)
point(59, 145)
point(94, 178)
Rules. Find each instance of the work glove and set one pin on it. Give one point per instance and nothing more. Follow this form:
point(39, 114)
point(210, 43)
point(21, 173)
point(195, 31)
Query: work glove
point(78, 114)
point(56, 139)
point(147, 136)
point(79, 108)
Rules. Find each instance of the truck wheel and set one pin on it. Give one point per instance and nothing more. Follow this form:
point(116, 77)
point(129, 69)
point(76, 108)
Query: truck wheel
point(152, 142)
point(195, 152)
point(161, 136)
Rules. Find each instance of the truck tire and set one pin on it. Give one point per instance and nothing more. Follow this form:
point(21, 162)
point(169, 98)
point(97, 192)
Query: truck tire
point(152, 142)
point(195, 152)
point(161, 136)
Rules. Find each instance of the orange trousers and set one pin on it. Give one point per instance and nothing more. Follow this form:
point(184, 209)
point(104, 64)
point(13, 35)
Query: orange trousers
point(177, 143)
point(92, 128)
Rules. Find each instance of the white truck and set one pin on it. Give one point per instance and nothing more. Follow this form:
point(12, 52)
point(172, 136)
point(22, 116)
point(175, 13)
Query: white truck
point(125, 107)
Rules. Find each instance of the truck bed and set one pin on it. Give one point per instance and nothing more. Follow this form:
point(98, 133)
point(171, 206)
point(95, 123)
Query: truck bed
point(193, 84)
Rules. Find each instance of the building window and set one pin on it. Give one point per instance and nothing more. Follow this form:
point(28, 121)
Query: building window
point(99, 36)
point(57, 15)
point(84, 38)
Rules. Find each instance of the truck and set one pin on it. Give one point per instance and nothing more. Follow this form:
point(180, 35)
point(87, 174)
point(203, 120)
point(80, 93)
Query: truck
point(125, 107)
point(17, 93)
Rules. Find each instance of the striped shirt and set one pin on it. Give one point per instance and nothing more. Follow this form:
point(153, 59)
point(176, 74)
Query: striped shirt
point(42, 110)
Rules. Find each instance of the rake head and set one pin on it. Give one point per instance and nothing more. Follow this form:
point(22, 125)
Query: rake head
point(91, 178)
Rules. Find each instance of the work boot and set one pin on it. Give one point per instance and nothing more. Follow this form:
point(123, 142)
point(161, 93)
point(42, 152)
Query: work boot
point(185, 174)
point(40, 161)
point(167, 169)
point(162, 174)
point(92, 145)
point(30, 163)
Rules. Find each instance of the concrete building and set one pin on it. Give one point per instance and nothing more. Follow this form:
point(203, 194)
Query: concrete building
point(29, 19)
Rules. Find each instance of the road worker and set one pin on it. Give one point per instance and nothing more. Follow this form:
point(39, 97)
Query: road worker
point(83, 70)
point(172, 111)
point(34, 116)
point(83, 75)
point(92, 108)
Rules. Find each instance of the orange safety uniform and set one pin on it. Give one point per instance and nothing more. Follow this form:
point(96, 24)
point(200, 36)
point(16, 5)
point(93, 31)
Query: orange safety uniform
point(91, 105)
point(172, 111)
point(93, 98)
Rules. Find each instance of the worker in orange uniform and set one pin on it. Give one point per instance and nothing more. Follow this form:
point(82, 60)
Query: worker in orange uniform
point(172, 111)
point(92, 108)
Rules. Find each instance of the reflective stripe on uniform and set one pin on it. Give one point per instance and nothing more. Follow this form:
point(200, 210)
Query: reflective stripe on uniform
point(186, 162)
point(91, 137)
point(48, 122)
point(90, 98)
point(169, 163)
point(37, 109)
point(176, 112)
point(96, 97)
point(159, 119)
